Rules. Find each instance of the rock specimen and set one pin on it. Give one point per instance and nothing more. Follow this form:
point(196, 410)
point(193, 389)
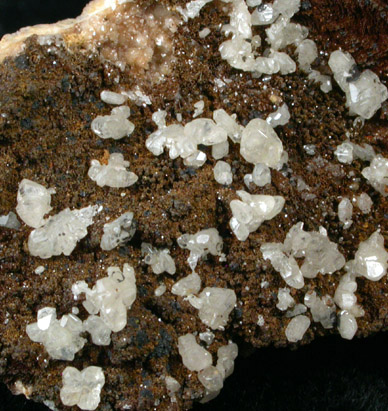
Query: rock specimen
point(259, 213)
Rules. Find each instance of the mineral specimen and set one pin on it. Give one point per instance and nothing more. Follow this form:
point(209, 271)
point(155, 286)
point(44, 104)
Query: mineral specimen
point(118, 232)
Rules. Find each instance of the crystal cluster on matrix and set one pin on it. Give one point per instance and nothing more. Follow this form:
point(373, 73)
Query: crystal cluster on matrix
point(82, 388)
point(159, 260)
point(114, 174)
point(115, 126)
point(118, 232)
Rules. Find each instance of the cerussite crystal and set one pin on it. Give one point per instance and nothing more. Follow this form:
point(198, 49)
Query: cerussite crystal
point(194, 357)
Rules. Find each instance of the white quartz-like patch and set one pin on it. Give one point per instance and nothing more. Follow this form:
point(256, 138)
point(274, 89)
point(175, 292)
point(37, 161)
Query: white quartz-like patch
point(118, 232)
point(371, 258)
point(194, 357)
point(285, 300)
point(111, 296)
point(322, 308)
point(61, 338)
point(115, 126)
point(201, 244)
point(280, 117)
point(192, 9)
point(364, 203)
point(111, 97)
point(251, 211)
point(223, 173)
point(214, 306)
point(261, 144)
point(82, 388)
point(297, 327)
point(307, 53)
point(33, 203)
point(364, 92)
point(377, 174)
point(159, 260)
point(345, 212)
point(188, 285)
point(61, 233)
point(114, 174)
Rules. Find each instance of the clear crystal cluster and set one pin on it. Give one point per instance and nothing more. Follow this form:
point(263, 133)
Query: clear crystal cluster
point(324, 81)
point(159, 260)
point(377, 174)
point(261, 144)
point(297, 327)
point(61, 338)
point(33, 203)
point(364, 91)
point(371, 259)
point(319, 253)
point(223, 173)
point(345, 212)
point(201, 244)
point(280, 117)
point(61, 232)
point(116, 125)
point(322, 309)
point(364, 203)
point(348, 151)
point(285, 300)
point(307, 52)
point(118, 232)
point(214, 306)
point(82, 388)
point(111, 97)
point(111, 296)
point(9, 221)
point(346, 300)
point(194, 357)
point(261, 176)
point(188, 285)
point(251, 211)
point(114, 174)
point(192, 9)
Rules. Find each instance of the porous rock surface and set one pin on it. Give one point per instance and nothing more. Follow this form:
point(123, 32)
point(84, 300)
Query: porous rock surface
point(48, 100)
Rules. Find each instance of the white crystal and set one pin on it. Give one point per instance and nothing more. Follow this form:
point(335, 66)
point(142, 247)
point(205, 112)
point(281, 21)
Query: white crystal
point(364, 203)
point(159, 291)
point(287, 7)
point(82, 388)
point(347, 325)
point(190, 284)
point(344, 152)
point(229, 124)
point(322, 309)
point(238, 53)
point(240, 19)
point(39, 270)
point(260, 320)
point(114, 174)
point(286, 265)
point(166, 137)
point(261, 175)
point(345, 212)
point(110, 97)
point(252, 211)
point(207, 336)
point(200, 244)
point(204, 33)
point(320, 254)
point(118, 232)
point(138, 97)
point(211, 378)
point(33, 202)
point(61, 338)
point(123, 111)
point(215, 305)
point(286, 64)
point(111, 296)
point(196, 159)
point(325, 81)
point(377, 174)
point(205, 131)
point(296, 310)
point(371, 258)
point(223, 173)
point(285, 300)
point(172, 385)
point(260, 143)
point(159, 260)
point(226, 355)
point(61, 232)
point(9, 221)
point(199, 106)
point(97, 328)
point(365, 94)
point(283, 33)
point(280, 117)
point(345, 296)
point(264, 14)
point(307, 53)
point(194, 357)
point(159, 118)
point(297, 327)
point(192, 9)
point(220, 150)
point(253, 3)
point(115, 126)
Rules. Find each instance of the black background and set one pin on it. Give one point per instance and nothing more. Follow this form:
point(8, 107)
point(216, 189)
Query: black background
point(331, 374)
